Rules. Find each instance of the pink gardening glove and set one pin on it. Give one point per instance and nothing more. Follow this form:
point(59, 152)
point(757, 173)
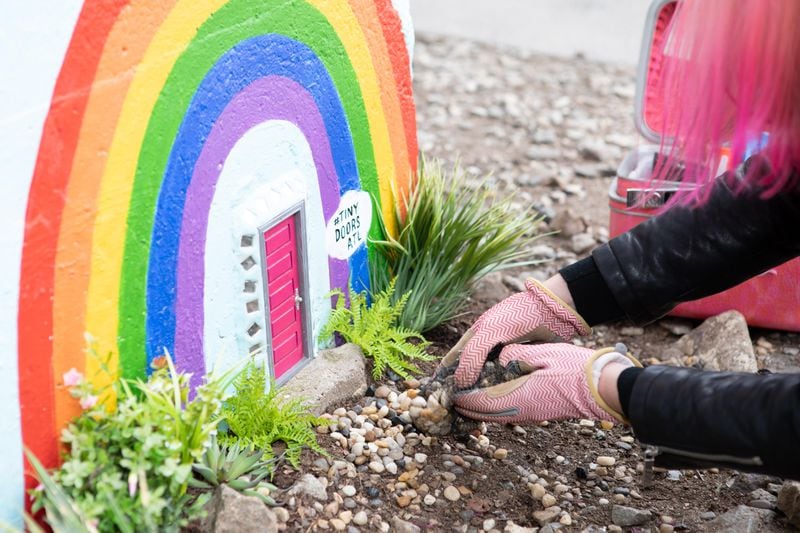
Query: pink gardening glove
point(534, 315)
point(562, 384)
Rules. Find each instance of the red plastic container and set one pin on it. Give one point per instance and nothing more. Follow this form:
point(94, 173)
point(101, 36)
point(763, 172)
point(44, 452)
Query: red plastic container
point(771, 299)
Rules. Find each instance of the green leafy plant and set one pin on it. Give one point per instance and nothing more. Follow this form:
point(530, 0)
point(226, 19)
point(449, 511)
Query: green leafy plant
point(449, 238)
point(241, 468)
point(257, 418)
point(128, 464)
point(373, 328)
point(61, 511)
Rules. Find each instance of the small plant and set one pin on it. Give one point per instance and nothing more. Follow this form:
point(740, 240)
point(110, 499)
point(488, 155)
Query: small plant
point(128, 466)
point(257, 418)
point(61, 511)
point(449, 238)
point(374, 329)
point(240, 468)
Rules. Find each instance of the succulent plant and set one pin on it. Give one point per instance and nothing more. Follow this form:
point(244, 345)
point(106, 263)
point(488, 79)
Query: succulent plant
point(240, 468)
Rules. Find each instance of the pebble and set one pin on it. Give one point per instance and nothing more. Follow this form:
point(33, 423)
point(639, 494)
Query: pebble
point(629, 516)
point(500, 453)
point(429, 499)
point(605, 460)
point(451, 493)
point(489, 524)
point(709, 515)
point(548, 500)
point(537, 491)
point(674, 475)
point(349, 490)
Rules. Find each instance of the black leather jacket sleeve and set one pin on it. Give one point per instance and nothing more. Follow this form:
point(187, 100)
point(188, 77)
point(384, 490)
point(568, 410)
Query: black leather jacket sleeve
point(691, 252)
point(697, 419)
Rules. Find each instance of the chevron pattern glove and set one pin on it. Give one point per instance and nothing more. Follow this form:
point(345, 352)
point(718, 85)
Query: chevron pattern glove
point(533, 315)
point(562, 383)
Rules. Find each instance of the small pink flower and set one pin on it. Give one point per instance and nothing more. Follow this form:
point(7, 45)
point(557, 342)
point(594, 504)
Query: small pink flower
point(72, 377)
point(132, 484)
point(38, 488)
point(89, 401)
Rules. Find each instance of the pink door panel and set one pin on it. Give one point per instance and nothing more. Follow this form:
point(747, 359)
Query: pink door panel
point(283, 282)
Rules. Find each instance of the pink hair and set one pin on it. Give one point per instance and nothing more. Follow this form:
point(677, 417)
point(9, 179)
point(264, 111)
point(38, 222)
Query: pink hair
point(732, 72)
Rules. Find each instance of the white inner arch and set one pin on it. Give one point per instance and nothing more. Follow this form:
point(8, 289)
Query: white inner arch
point(269, 170)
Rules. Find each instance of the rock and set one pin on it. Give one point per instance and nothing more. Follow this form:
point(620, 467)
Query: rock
point(233, 512)
point(451, 493)
point(360, 518)
point(593, 150)
point(582, 242)
point(349, 490)
point(401, 526)
point(568, 223)
point(500, 453)
point(546, 516)
point(676, 326)
point(541, 153)
point(604, 460)
point(537, 491)
point(544, 136)
point(310, 486)
point(762, 499)
point(628, 516)
point(511, 527)
point(345, 378)
point(491, 289)
point(744, 519)
point(722, 343)
point(674, 475)
point(708, 515)
point(789, 501)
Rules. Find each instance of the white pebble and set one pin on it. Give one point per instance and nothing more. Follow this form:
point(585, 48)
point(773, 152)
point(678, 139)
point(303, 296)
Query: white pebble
point(377, 467)
point(605, 460)
point(419, 401)
point(548, 500)
point(420, 458)
point(429, 499)
point(451, 493)
point(489, 524)
point(349, 490)
point(360, 519)
point(500, 453)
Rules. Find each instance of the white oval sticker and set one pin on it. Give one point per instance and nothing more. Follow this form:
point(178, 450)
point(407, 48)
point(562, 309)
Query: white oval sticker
point(348, 227)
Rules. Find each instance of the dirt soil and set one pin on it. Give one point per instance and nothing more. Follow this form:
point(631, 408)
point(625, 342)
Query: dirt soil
point(552, 131)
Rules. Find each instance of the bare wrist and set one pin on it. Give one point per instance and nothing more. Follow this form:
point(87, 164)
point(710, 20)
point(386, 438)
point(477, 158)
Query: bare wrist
point(558, 286)
point(607, 386)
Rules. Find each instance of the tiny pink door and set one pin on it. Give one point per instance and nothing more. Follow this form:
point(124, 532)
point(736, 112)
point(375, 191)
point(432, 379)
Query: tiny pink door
point(283, 282)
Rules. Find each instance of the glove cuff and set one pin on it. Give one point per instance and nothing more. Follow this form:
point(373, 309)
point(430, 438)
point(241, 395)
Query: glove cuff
point(566, 322)
point(594, 367)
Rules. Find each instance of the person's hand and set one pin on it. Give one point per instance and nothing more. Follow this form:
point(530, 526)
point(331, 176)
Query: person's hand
point(533, 315)
point(561, 383)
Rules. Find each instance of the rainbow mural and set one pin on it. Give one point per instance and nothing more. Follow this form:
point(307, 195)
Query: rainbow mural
point(175, 128)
